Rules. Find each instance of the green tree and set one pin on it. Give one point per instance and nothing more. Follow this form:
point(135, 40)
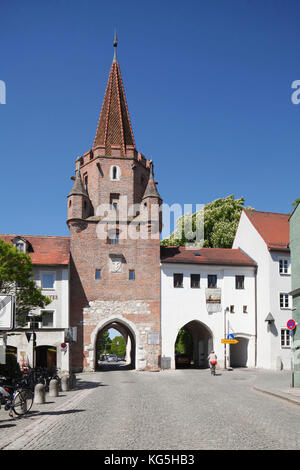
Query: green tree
point(296, 202)
point(221, 218)
point(184, 343)
point(118, 346)
point(16, 278)
point(104, 344)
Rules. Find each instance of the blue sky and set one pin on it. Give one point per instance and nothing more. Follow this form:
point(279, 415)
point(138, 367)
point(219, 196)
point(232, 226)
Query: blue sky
point(208, 85)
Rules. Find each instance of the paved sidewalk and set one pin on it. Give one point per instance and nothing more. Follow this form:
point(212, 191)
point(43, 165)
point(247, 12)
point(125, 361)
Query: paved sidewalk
point(278, 384)
point(54, 408)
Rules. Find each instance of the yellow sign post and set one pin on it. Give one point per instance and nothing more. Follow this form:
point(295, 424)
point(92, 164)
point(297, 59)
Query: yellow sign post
point(229, 341)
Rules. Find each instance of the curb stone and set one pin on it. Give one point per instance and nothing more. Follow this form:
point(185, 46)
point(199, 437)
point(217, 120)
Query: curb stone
point(277, 395)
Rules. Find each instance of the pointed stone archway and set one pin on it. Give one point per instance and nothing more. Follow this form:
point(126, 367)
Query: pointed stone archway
point(130, 361)
point(131, 335)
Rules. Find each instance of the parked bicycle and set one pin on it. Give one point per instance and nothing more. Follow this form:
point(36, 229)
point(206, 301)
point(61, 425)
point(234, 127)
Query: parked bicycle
point(15, 398)
point(41, 375)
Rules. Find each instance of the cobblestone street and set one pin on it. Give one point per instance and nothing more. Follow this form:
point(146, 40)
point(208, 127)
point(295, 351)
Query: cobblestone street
point(170, 410)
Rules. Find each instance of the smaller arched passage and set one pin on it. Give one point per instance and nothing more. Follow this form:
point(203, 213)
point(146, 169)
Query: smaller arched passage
point(192, 346)
point(239, 352)
point(129, 337)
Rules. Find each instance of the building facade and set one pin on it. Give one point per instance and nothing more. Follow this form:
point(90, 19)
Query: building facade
point(50, 258)
point(211, 293)
point(295, 271)
point(264, 237)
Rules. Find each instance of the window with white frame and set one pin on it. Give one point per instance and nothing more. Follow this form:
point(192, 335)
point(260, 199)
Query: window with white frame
point(284, 300)
point(47, 318)
point(284, 266)
point(285, 338)
point(47, 280)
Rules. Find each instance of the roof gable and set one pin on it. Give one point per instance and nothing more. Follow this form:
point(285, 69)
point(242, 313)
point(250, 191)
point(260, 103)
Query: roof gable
point(214, 256)
point(46, 250)
point(273, 227)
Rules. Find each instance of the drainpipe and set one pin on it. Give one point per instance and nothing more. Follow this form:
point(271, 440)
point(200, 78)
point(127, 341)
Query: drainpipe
point(225, 350)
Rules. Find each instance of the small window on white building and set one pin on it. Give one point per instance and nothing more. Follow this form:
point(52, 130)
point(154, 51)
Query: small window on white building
point(195, 281)
point(245, 309)
point(239, 282)
point(284, 301)
point(212, 281)
point(47, 318)
point(47, 280)
point(283, 266)
point(231, 308)
point(285, 338)
point(178, 280)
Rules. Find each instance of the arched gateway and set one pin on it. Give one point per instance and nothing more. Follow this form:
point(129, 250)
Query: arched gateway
point(129, 333)
point(193, 343)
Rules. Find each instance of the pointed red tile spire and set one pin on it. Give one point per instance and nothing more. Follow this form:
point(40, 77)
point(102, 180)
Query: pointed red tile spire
point(114, 126)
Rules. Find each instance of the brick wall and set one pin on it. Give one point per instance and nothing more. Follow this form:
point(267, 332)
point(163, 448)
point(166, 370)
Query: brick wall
point(114, 290)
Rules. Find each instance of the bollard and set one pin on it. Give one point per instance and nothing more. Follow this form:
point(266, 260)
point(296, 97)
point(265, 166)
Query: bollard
point(72, 380)
point(39, 394)
point(53, 388)
point(65, 383)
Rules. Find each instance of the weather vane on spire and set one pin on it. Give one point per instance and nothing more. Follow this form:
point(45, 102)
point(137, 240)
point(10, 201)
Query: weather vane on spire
point(115, 46)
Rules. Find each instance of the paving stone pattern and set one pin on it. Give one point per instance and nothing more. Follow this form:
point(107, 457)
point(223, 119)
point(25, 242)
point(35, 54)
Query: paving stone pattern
point(170, 410)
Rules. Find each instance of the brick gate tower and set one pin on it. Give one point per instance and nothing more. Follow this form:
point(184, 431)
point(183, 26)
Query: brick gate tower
point(115, 224)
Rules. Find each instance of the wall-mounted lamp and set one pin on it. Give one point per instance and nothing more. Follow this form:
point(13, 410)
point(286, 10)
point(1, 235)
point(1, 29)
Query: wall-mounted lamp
point(270, 319)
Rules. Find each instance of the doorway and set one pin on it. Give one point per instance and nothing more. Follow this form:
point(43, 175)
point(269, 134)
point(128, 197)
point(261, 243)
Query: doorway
point(239, 353)
point(46, 356)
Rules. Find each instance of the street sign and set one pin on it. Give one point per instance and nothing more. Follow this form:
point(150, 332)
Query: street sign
point(70, 334)
point(291, 324)
point(7, 310)
point(230, 336)
point(229, 341)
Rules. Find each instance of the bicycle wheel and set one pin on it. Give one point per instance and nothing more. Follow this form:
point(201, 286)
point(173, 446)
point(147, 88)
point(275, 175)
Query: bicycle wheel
point(22, 401)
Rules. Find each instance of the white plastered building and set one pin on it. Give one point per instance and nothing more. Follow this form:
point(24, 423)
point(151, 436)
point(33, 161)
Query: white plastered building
point(264, 236)
point(50, 259)
point(211, 293)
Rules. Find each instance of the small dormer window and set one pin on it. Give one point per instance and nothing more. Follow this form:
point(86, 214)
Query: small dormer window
point(21, 247)
point(20, 244)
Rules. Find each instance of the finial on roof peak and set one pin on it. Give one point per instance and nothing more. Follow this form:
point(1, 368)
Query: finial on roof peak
point(115, 46)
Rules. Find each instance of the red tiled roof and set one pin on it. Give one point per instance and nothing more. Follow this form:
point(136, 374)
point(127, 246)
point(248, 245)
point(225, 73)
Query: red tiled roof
point(215, 256)
point(274, 228)
point(46, 249)
point(114, 126)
